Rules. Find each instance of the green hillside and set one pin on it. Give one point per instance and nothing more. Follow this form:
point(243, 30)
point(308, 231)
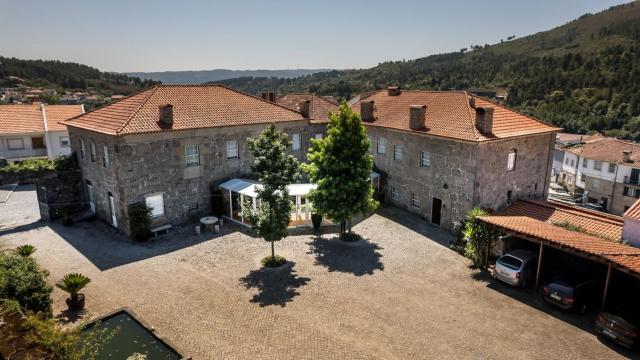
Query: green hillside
point(583, 76)
point(68, 76)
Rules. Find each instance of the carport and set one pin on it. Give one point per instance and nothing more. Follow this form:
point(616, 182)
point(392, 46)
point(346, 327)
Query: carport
point(614, 255)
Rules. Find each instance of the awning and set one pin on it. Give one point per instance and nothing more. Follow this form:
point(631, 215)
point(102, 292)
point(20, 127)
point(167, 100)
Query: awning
point(249, 187)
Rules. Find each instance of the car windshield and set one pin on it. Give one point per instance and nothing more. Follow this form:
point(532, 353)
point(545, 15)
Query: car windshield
point(561, 288)
point(510, 262)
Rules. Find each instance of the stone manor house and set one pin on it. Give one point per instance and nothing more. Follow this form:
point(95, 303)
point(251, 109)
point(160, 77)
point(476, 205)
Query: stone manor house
point(442, 152)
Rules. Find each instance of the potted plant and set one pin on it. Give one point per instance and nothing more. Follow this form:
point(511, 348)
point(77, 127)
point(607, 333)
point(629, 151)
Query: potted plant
point(316, 220)
point(73, 283)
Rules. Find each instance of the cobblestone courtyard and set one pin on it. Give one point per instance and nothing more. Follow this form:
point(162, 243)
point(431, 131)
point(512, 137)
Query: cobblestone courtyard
point(402, 294)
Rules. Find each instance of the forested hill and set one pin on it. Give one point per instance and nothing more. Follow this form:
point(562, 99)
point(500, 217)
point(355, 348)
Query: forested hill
point(68, 76)
point(583, 76)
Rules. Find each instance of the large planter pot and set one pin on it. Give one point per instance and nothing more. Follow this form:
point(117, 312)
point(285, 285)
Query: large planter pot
point(76, 304)
point(316, 220)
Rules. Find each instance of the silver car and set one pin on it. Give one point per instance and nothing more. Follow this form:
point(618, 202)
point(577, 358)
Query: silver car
point(516, 267)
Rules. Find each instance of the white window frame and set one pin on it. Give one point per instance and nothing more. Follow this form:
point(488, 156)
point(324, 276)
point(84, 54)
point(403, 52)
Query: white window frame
point(63, 140)
point(415, 201)
point(395, 193)
point(9, 147)
point(82, 149)
point(585, 163)
point(295, 142)
point(612, 168)
point(512, 159)
point(232, 149)
point(425, 159)
point(382, 145)
point(397, 152)
point(106, 162)
point(94, 155)
point(318, 136)
point(156, 203)
point(597, 165)
point(192, 155)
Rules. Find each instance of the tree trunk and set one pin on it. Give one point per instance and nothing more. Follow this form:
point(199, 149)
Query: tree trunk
point(343, 227)
point(273, 251)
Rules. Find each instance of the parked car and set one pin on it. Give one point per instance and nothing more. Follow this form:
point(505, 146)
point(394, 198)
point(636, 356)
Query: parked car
point(516, 267)
point(572, 291)
point(617, 329)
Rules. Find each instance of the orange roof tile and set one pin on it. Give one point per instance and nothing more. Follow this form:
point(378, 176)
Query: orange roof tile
point(194, 107)
point(57, 113)
point(320, 106)
point(634, 211)
point(609, 150)
point(593, 222)
point(449, 114)
point(19, 119)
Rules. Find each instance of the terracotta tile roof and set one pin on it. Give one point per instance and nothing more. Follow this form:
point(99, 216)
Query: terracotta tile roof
point(449, 114)
point(194, 107)
point(634, 211)
point(57, 113)
point(609, 150)
point(595, 223)
point(623, 255)
point(17, 119)
point(320, 106)
point(577, 138)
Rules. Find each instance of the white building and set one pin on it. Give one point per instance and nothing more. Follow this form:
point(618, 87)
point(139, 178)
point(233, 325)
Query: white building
point(34, 130)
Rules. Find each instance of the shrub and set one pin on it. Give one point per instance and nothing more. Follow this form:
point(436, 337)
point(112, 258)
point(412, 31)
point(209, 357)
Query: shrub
point(73, 283)
point(25, 250)
point(478, 235)
point(139, 221)
point(21, 280)
point(350, 236)
point(273, 261)
point(316, 220)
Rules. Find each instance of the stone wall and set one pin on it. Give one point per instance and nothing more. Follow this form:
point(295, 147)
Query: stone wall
point(600, 188)
point(530, 178)
point(621, 202)
point(450, 177)
point(146, 164)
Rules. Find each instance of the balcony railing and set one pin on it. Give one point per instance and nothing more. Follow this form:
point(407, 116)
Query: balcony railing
point(24, 153)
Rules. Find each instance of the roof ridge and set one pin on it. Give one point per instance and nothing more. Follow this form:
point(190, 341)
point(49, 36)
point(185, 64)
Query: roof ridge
point(155, 88)
point(610, 218)
point(253, 96)
point(110, 103)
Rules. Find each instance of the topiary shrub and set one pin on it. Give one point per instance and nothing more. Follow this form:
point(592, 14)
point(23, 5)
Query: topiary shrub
point(139, 221)
point(22, 280)
point(273, 261)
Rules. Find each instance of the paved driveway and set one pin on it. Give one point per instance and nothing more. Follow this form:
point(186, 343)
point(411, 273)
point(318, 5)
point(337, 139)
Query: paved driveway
point(18, 206)
point(398, 295)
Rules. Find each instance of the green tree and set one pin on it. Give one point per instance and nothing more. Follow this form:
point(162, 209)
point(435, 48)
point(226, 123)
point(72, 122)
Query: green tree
point(275, 169)
point(340, 164)
point(479, 236)
point(22, 280)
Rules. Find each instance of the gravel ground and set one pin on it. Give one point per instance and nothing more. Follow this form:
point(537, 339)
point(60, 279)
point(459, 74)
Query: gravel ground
point(400, 294)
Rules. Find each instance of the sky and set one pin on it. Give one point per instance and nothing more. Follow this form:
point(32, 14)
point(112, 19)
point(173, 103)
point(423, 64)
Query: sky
point(159, 35)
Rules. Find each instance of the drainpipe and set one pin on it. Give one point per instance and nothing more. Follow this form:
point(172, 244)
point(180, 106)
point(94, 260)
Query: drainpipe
point(613, 191)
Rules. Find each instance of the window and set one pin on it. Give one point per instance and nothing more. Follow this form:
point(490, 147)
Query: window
point(156, 203)
point(612, 168)
point(597, 165)
point(93, 152)
point(395, 194)
point(511, 160)
point(425, 159)
point(583, 177)
point(295, 142)
point(232, 149)
point(585, 163)
point(64, 141)
point(397, 152)
point(415, 201)
point(566, 161)
point(82, 154)
point(106, 163)
point(15, 144)
point(37, 142)
point(625, 191)
point(191, 154)
point(318, 136)
point(573, 162)
point(382, 145)
point(509, 195)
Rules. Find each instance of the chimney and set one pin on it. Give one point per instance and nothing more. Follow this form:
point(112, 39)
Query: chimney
point(305, 108)
point(166, 116)
point(268, 95)
point(393, 91)
point(366, 110)
point(484, 119)
point(418, 117)
point(626, 155)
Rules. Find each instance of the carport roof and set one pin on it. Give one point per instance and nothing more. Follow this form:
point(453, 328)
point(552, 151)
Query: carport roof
point(623, 255)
